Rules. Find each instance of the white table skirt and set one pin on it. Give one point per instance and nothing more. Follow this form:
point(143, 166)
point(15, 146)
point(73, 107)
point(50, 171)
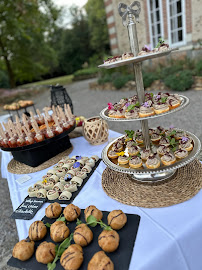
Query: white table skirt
point(168, 238)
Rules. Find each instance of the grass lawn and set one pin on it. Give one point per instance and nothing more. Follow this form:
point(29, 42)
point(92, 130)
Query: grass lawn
point(64, 80)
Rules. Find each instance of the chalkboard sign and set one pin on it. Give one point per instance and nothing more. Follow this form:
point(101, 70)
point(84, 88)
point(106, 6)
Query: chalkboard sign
point(28, 208)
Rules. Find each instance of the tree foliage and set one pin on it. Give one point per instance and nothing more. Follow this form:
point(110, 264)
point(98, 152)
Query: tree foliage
point(25, 31)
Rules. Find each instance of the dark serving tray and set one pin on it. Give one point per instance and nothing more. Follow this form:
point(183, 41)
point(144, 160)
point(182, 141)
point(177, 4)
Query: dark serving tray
point(121, 257)
point(37, 153)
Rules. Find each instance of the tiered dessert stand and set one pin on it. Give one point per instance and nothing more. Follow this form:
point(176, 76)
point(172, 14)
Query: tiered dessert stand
point(163, 172)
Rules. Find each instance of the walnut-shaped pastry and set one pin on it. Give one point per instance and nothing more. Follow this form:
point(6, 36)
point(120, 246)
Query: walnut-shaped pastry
point(53, 210)
point(108, 240)
point(117, 219)
point(72, 257)
point(59, 231)
point(100, 261)
point(83, 235)
point(71, 212)
point(45, 252)
point(23, 250)
point(37, 230)
point(92, 210)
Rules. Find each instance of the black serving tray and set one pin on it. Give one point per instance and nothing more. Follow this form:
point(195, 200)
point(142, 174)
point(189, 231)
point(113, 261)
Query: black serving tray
point(37, 153)
point(121, 257)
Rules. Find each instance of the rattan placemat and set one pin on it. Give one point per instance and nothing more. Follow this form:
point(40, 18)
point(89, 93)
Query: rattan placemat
point(185, 184)
point(21, 168)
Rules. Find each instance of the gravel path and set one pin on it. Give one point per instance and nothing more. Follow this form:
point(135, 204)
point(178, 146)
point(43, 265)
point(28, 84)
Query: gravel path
point(89, 103)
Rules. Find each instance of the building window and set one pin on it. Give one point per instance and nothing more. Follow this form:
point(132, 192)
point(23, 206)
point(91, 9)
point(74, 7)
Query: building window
point(176, 22)
point(155, 21)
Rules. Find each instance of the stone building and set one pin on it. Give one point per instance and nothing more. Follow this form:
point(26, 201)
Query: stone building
point(178, 22)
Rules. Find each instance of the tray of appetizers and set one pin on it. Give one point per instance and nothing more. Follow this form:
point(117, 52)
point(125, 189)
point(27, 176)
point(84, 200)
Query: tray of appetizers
point(155, 105)
point(64, 181)
point(170, 149)
point(118, 61)
point(86, 239)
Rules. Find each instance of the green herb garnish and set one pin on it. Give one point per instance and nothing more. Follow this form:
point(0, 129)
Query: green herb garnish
point(130, 107)
point(59, 251)
point(137, 104)
point(161, 41)
point(92, 221)
point(129, 133)
point(78, 222)
point(163, 99)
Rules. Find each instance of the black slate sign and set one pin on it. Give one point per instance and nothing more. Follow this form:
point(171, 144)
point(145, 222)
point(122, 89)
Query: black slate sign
point(28, 208)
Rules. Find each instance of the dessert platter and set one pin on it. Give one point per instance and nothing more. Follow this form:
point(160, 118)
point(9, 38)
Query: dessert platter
point(146, 53)
point(64, 181)
point(38, 138)
point(148, 155)
point(129, 109)
point(18, 105)
point(72, 238)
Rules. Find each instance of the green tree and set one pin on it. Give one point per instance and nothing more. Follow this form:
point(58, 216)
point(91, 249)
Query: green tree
point(25, 32)
point(96, 16)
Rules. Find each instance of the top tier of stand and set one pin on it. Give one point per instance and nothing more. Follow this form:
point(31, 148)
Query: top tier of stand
point(136, 59)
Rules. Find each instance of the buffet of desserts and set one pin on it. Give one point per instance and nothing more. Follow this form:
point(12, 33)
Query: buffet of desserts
point(90, 235)
point(130, 108)
point(64, 178)
point(37, 128)
point(168, 146)
point(18, 105)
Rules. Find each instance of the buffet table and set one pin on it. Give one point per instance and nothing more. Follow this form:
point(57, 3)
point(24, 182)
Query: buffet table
point(168, 238)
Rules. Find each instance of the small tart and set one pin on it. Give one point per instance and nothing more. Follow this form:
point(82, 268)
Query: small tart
point(152, 162)
point(112, 154)
point(161, 108)
point(132, 114)
point(162, 149)
point(186, 144)
point(120, 114)
point(172, 103)
point(139, 138)
point(133, 150)
point(130, 143)
point(160, 130)
point(151, 131)
point(179, 134)
point(123, 160)
point(181, 153)
point(164, 141)
point(135, 162)
point(112, 113)
point(117, 147)
point(168, 159)
point(145, 154)
point(146, 111)
point(155, 137)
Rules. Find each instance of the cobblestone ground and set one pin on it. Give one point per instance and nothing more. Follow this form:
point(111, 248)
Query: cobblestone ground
point(89, 103)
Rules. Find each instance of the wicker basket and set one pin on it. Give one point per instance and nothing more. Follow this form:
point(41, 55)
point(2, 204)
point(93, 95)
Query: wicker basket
point(95, 130)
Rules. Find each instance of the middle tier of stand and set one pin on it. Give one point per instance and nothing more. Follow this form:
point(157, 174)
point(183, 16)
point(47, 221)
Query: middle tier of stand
point(183, 104)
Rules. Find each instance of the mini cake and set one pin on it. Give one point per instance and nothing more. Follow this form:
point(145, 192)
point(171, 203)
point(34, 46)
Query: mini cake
point(71, 212)
point(181, 153)
point(145, 154)
point(100, 261)
point(123, 160)
point(135, 162)
point(162, 149)
point(108, 240)
point(23, 250)
point(133, 150)
point(45, 252)
point(152, 162)
point(59, 231)
point(72, 257)
point(93, 211)
point(53, 210)
point(83, 235)
point(37, 230)
point(117, 219)
point(168, 159)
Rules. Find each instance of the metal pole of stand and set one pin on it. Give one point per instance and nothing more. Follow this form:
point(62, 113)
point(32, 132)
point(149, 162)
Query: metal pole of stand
point(137, 68)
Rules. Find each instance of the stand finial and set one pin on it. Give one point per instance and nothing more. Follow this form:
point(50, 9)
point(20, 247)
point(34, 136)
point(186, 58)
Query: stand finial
point(128, 10)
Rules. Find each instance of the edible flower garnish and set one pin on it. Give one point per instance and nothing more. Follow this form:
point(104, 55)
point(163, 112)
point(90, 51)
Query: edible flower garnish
point(127, 104)
point(44, 181)
point(76, 165)
point(78, 157)
point(120, 153)
point(148, 47)
point(110, 106)
point(146, 104)
point(171, 127)
point(184, 139)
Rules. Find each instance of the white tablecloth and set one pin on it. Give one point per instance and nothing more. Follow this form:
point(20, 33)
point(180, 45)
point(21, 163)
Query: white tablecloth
point(168, 238)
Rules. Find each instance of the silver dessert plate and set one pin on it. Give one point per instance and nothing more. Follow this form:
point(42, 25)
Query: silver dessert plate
point(163, 172)
point(136, 59)
point(184, 103)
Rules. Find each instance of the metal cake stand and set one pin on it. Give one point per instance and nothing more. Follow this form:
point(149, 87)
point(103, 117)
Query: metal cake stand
point(130, 15)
